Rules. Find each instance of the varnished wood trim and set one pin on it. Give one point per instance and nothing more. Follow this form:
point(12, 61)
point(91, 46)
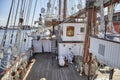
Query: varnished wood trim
point(105, 39)
point(72, 42)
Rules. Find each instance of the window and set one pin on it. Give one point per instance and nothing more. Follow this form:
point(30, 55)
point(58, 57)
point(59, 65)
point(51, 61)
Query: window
point(114, 18)
point(101, 49)
point(82, 29)
point(118, 17)
point(70, 31)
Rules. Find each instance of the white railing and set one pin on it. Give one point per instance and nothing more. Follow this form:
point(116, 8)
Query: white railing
point(17, 66)
point(107, 52)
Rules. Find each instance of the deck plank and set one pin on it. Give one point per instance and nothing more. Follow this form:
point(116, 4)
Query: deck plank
point(46, 66)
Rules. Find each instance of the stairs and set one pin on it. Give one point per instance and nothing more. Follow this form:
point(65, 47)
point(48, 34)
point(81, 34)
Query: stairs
point(53, 46)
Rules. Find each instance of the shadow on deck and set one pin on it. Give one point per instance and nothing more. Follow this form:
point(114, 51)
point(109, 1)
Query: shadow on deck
point(46, 66)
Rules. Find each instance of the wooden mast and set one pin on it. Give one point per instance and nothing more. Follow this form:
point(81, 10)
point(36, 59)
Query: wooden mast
point(90, 23)
point(65, 9)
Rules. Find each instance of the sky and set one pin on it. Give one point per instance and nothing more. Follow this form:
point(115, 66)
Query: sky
point(5, 7)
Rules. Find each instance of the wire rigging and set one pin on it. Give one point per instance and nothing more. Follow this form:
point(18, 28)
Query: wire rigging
point(18, 34)
point(26, 24)
point(10, 37)
point(21, 16)
point(8, 20)
point(28, 12)
point(34, 13)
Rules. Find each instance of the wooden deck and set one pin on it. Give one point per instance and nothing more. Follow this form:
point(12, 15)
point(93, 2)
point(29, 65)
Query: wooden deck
point(46, 66)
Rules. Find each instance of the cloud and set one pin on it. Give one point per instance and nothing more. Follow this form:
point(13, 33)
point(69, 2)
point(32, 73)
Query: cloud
point(2, 21)
point(117, 8)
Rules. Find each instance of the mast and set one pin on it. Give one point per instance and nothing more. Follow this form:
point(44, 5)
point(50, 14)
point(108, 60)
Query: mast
point(64, 9)
point(111, 2)
point(90, 23)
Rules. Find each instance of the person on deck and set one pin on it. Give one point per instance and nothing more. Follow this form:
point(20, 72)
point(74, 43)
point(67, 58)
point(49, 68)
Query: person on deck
point(70, 56)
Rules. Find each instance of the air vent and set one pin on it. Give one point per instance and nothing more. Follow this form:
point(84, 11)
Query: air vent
point(101, 49)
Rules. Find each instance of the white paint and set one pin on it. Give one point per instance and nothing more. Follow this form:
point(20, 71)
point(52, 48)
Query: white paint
point(38, 44)
point(111, 55)
point(78, 36)
point(76, 48)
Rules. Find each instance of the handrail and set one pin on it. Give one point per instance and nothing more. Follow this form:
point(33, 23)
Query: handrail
point(105, 39)
point(14, 64)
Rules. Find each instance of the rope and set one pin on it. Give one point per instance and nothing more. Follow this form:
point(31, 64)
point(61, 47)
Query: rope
point(5, 33)
point(34, 13)
point(26, 23)
point(21, 7)
point(28, 12)
point(48, 7)
point(10, 37)
point(32, 19)
point(53, 6)
point(9, 50)
point(24, 5)
point(15, 18)
point(18, 34)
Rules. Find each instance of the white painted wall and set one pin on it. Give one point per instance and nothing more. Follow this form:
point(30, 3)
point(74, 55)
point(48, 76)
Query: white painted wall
point(38, 44)
point(77, 48)
point(112, 52)
point(78, 36)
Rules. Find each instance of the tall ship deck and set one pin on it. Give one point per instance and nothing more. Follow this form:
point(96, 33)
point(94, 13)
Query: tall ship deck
point(60, 40)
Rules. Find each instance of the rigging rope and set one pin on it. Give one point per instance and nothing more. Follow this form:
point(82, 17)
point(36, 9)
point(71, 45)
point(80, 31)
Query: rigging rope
point(15, 17)
point(52, 11)
point(26, 24)
point(21, 7)
point(28, 12)
point(48, 6)
point(10, 37)
point(18, 34)
point(33, 19)
point(24, 5)
point(5, 33)
point(14, 48)
point(9, 50)
point(34, 13)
